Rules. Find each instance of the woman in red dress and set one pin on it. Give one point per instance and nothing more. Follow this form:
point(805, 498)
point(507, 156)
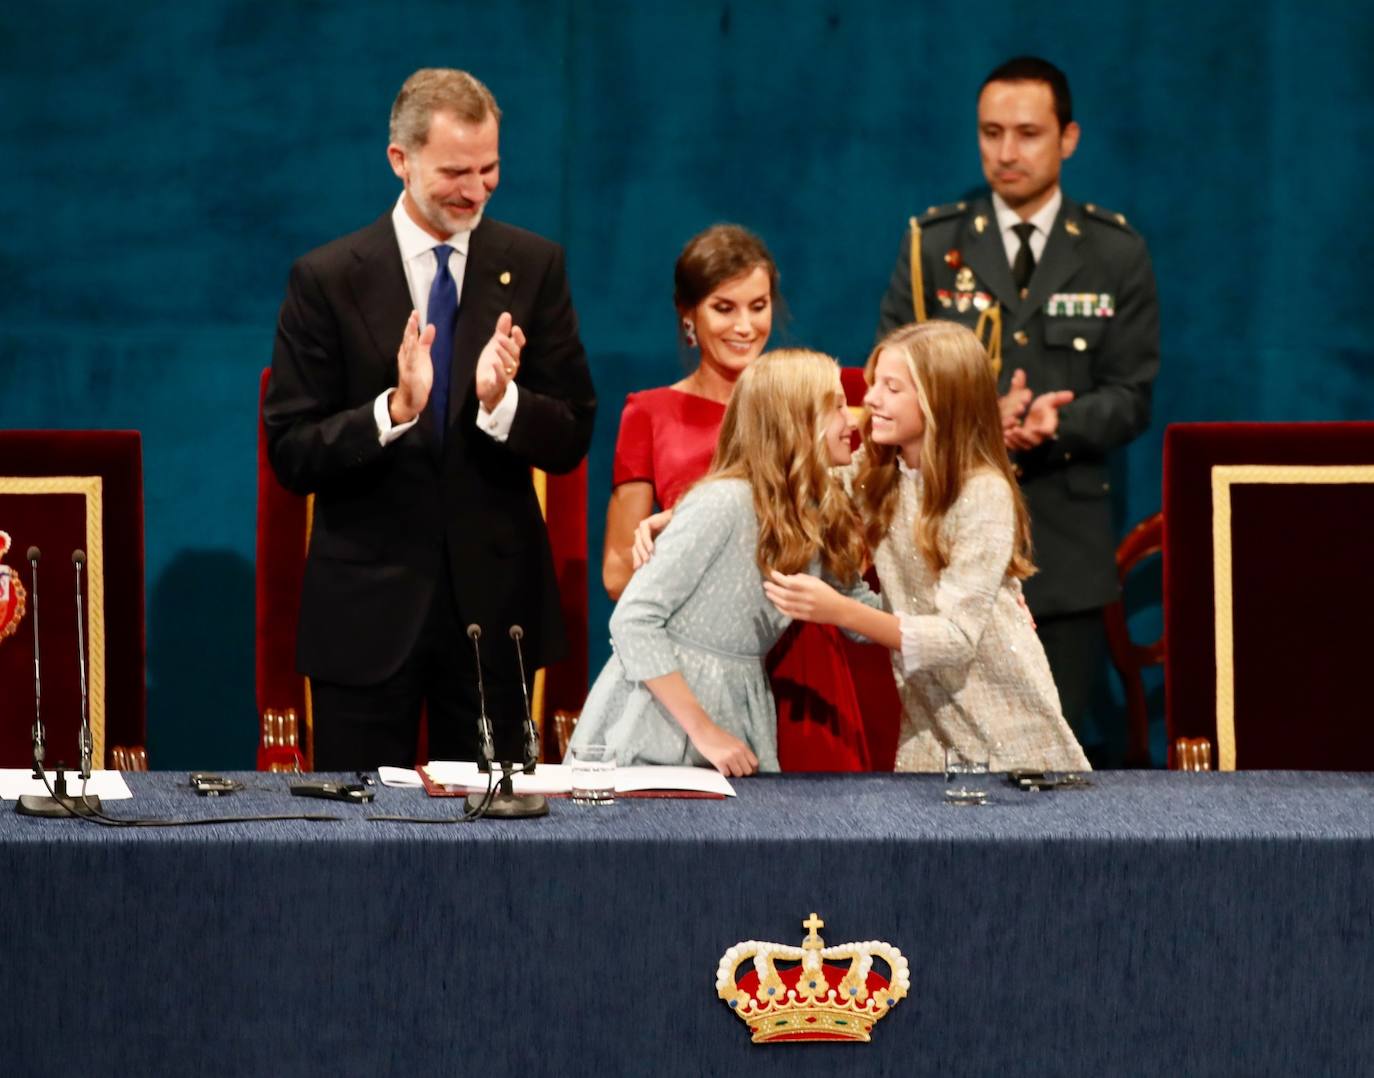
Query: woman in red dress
point(725, 287)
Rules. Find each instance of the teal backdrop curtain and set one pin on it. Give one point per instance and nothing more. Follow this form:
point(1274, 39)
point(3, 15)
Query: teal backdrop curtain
point(165, 162)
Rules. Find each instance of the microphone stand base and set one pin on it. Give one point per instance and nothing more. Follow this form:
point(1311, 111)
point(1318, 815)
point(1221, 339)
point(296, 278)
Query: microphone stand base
point(510, 806)
point(59, 807)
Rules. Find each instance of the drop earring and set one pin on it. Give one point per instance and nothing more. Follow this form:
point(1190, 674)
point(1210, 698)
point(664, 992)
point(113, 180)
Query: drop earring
point(689, 332)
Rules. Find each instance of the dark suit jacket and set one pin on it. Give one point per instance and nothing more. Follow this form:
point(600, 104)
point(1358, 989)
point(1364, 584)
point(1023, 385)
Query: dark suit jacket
point(385, 516)
point(1110, 363)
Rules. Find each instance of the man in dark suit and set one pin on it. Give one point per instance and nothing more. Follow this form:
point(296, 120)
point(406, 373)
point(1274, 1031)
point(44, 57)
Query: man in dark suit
point(1065, 297)
point(418, 443)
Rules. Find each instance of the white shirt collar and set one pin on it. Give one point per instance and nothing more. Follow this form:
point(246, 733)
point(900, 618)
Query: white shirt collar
point(1043, 219)
point(906, 469)
point(414, 241)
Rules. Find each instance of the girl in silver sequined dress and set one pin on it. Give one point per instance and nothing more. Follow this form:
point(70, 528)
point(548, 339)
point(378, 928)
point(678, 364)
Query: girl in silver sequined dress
point(951, 539)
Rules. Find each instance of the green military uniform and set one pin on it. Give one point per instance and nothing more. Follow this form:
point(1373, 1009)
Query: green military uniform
point(1089, 322)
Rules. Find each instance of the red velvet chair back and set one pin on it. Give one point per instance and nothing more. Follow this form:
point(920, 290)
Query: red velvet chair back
point(852, 378)
point(1267, 590)
point(283, 534)
point(60, 491)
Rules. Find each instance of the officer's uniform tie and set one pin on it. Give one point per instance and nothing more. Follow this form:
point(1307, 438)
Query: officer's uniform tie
point(1024, 266)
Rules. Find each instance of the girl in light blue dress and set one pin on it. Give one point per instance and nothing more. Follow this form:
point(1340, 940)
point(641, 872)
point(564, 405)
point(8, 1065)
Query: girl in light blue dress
point(686, 683)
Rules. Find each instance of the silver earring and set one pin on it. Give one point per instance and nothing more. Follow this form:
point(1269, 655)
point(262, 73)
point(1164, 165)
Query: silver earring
point(689, 332)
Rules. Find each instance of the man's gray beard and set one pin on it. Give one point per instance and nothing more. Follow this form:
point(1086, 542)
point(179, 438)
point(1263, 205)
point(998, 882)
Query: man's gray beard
point(426, 207)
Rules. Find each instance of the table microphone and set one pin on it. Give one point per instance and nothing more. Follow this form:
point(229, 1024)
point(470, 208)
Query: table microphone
point(79, 561)
point(39, 737)
point(61, 804)
point(485, 750)
point(505, 803)
point(531, 734)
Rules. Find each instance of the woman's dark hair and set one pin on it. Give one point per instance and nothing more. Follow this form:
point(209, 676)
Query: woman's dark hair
point(720, 254)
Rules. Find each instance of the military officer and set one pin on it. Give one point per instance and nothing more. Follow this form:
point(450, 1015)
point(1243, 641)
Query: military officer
point(1064, 295)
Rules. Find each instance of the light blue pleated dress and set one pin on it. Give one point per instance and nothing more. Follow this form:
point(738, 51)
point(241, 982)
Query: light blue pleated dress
point(698, 607)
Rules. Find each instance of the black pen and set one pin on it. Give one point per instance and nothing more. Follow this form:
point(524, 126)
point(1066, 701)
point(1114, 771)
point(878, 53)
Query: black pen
point(365, 778)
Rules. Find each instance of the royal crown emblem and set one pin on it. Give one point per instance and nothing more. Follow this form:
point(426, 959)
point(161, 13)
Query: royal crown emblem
point(12, 594)
point(812, 999)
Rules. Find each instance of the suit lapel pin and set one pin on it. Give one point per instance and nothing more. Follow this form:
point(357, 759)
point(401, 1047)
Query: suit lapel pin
point(505, 277)
point(979, 223)
point(1071, 227)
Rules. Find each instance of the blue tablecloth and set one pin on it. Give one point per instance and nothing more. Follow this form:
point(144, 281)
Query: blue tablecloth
point(1152, 924)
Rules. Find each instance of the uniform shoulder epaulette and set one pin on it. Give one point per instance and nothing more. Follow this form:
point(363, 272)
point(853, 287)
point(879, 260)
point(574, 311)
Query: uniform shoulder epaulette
point(1111, 217)
point(940, 213)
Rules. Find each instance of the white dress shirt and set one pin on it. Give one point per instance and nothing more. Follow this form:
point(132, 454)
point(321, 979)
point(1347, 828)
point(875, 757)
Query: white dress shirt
point(417, 259)
point(1043, 220)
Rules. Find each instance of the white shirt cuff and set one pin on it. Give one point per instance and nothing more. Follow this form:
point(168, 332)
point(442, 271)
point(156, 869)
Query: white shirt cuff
point(911, 656)
point(497, 422)
point(387, 432)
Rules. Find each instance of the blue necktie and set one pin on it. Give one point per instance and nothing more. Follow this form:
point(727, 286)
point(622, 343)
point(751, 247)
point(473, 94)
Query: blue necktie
point(442, 313)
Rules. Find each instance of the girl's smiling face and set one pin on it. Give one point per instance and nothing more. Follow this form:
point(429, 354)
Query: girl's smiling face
point(895, 415)
point(839, 431)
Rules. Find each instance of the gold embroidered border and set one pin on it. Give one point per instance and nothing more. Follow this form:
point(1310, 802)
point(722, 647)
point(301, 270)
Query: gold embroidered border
point(541, 490)
point(92, 489)
point(1224, 477)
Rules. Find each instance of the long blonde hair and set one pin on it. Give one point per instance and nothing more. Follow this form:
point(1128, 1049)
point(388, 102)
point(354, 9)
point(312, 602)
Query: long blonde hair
point(773, 437)
point(963, 435)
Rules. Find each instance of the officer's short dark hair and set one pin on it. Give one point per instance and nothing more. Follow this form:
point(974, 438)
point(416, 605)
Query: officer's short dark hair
point(1034, 69)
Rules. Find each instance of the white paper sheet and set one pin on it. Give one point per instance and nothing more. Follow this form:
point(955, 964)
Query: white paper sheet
point(399, 776)
point(16, 782)
point(557, 778)
point(463, 774)
point(705, 780)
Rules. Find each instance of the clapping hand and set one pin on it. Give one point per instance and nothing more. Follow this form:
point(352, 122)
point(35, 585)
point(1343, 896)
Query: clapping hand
point(414, 371)
point(1041, 422)
point(499, 361)
point(1014, 402)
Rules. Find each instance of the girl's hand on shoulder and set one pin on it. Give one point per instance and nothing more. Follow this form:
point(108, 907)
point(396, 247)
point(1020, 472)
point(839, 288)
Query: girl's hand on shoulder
point(727, 753)
point(803, 597)
point(645, 532)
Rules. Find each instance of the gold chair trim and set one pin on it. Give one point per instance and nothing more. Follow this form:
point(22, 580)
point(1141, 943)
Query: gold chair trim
point(91, 487)
point(1224, 477)
point(541, 491)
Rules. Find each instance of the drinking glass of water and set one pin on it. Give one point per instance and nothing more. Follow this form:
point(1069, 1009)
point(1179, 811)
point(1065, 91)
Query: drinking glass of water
point(966, 777)
point(593, 775)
